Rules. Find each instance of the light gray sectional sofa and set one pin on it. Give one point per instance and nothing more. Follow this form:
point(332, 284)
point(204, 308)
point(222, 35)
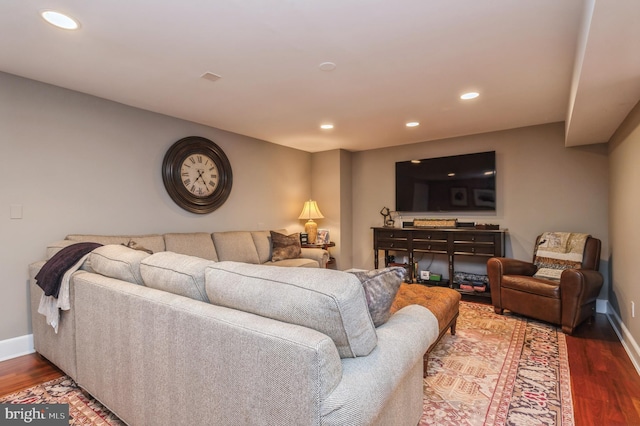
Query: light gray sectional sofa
point(183, 337)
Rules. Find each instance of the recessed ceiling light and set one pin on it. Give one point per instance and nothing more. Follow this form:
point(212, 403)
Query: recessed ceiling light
point(326, 126)
point(60, 20)
point(451, 174)
point(470, 95)
point(412, 124)
point(416, 161)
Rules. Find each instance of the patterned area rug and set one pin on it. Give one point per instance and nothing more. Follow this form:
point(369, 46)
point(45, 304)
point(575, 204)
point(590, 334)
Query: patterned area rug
point(63, 390)
point(498, 370)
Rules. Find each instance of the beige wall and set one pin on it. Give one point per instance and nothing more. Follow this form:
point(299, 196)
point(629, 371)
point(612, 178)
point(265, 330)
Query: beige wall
point(541, 186)
point(624, 229)
point(80, 164)
point(331, 188)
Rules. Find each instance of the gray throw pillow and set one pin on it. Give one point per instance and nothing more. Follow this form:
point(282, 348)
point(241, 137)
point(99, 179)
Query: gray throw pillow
point(380, 288)
point(285, 246)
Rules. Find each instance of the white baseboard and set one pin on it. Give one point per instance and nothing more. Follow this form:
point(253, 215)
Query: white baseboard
point(627, 340)
point(18, 346)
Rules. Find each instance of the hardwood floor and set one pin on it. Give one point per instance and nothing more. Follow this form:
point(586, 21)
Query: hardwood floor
point(605, 385)
point(25, 371)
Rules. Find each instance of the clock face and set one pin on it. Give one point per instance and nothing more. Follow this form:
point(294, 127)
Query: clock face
point(197, 174)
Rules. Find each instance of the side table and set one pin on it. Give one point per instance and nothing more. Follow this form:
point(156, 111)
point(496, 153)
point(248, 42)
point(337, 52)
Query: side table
point(332, 260)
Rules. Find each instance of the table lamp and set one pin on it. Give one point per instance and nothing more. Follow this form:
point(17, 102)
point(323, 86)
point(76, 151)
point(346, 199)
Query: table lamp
point(311, 211)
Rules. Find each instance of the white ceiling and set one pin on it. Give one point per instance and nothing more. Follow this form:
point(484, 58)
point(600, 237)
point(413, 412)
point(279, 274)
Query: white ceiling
point(533, 62)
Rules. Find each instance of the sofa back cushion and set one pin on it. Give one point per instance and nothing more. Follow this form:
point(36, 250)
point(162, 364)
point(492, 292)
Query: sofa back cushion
point(176, 273)
point(197, 244)
point(329, 301)
point(153, 242)
point(118, 261)
point(237, 246)
point(263, 243)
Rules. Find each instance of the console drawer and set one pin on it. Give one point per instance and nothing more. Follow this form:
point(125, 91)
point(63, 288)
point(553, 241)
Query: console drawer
point(474, 238)
point(475, 249)
point(430, 246)
point(392, 234)
point(397, 244)
point(430, 235)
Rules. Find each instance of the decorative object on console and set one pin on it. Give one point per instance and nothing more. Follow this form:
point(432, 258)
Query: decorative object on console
point(435, 223)
point(285, 246)
point(304, 238)
point(465, 224)
point(487, 226)
point(311, 211)
point(386, 214)
point(197, 174)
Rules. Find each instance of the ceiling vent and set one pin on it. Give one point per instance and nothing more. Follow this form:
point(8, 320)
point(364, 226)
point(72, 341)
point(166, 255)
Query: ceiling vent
point(210, 76)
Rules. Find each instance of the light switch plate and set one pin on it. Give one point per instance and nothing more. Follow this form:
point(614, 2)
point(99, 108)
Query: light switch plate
point(16, 211)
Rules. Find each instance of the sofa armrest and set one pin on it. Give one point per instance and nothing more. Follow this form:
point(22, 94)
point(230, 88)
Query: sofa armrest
point(319, 255)
point(513, 266)
point(579, 288)
point(499, 266)
point(393, 370)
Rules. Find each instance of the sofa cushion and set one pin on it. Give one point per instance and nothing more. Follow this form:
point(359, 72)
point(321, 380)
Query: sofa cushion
point(237, 246)
point(329, 301)
point(285, 246)
point(380, 287)
point(176, 273)
point(262, 240)
point(118, 261)
point(197, 244)
point(153, 242)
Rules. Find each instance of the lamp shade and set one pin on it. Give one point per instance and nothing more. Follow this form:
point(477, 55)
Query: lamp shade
point(310, 211)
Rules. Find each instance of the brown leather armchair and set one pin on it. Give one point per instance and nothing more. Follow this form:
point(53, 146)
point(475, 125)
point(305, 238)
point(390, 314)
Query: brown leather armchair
point(567, 303)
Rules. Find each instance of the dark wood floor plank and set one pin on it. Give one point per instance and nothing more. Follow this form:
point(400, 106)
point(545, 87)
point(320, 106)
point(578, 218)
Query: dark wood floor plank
point(605, 385)
point(25, 371)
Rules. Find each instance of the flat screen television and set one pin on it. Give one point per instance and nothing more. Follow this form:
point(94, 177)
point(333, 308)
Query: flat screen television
point(459, 183)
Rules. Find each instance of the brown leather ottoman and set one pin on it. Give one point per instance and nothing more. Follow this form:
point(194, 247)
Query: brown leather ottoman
point(443, 302)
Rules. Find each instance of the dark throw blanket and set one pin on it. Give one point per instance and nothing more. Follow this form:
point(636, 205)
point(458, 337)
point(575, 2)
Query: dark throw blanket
point(50, 276)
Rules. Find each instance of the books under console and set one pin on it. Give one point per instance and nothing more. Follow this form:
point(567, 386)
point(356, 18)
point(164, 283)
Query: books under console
point(452, 242)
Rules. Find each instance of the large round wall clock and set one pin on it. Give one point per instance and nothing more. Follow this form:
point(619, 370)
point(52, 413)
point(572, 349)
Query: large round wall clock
point(197, 174)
